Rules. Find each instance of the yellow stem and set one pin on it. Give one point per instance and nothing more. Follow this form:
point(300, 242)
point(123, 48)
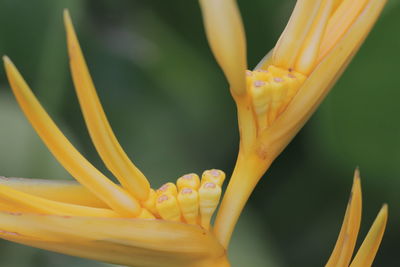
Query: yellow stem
point(247, 123)
point(248, 171)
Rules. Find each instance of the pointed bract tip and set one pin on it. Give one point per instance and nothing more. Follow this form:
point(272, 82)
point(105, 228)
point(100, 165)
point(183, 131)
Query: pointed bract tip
point(67, 16)
point(369, 247)
point(357, 174)
point(356, 188)
point(66, 13)
point(8, 64)
point(382, 216)
point(384, 211)
point(385, 208)
point(357, 168)
point(6, 59)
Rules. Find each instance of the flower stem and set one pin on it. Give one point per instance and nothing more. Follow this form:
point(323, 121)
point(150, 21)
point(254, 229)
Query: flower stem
point(247, 124)
point(248, 171)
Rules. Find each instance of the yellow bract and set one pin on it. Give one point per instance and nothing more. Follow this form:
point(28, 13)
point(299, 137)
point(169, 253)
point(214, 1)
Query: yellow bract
point(227, 40)
point(65, 152)
point(99, 128)
point(57, 190)
point(121, 241)
point(343, 251)
point(291, 40)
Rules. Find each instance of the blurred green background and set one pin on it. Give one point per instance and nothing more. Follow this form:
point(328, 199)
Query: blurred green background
point(169, 105)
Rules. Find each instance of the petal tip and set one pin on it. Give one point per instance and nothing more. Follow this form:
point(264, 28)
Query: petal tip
point(66, 14)
point(357, 176)
point(7, 61)
point(385, 209)
point(67, 18)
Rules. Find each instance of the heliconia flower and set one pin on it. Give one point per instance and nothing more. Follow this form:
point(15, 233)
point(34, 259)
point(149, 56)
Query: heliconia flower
point(132, 224)
point(276, 98)
point(127, 223)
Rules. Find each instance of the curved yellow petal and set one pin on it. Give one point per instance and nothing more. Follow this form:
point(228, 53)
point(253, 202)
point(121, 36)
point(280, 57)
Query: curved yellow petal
point(23, 202)
point(290, 42)
point(225, 34)
point(132, 242)
point(275, 138)
point(64, 151)
point(99, 128)
point(343, 251)
point(66, 191)
point(366, 253)
point(309, 51)
point(338, 24)
point(336, 4)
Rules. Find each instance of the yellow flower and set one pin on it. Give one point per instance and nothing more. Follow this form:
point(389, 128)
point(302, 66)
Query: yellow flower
point(128, 224)
point(132, 224)
point(276, 99)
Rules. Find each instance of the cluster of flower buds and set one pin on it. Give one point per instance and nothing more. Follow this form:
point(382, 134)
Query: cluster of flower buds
point(271, 90)
point(191, 200)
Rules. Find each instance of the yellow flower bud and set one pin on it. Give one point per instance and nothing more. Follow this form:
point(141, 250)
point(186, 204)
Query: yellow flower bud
point(190, 180)
point(168, 208)
point(168, 188)
point(213, 176)
point(188, 200)
point(209, 194)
